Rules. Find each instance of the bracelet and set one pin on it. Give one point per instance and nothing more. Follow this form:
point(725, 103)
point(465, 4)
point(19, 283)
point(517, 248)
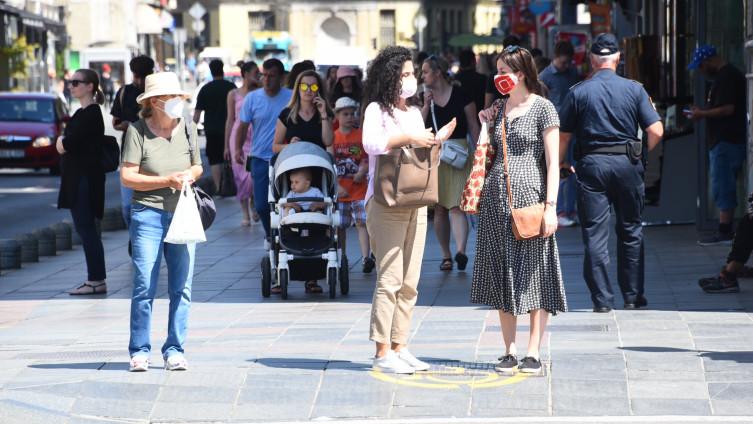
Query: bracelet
point(551, 203)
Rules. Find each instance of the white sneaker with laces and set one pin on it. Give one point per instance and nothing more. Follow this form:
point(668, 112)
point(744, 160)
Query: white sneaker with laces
point(411, 360)
point(139, 363)
point(391, 364)
point(176, 362)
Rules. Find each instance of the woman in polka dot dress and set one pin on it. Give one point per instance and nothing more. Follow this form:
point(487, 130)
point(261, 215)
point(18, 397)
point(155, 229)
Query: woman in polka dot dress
point(520, 276)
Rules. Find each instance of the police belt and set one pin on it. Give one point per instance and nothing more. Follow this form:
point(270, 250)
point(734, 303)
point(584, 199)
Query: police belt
point(619, 149)
point(631, 149)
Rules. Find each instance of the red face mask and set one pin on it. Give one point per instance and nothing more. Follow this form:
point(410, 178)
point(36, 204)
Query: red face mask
point(505, 83)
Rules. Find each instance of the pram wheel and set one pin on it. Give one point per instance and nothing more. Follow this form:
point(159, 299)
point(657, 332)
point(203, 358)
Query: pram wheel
point(344, 276)
point(332, 281)
point(266, 277)
point(284, 283)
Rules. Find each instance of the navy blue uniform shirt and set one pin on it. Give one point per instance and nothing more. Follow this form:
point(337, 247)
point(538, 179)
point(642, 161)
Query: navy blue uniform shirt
point(606, 110)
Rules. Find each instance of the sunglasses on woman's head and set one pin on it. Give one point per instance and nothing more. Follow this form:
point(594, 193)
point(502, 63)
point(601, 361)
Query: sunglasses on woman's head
point(75, 83)
point(306, 87)
point(512, 48)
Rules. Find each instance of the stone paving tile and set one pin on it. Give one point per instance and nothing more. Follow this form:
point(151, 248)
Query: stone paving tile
point(667, 390)
point(670, 406)
point(113, 408)
point(193, 411)
point(15, 412)
point(584, 405)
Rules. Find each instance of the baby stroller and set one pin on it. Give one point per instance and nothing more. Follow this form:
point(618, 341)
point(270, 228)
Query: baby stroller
point(304, 246)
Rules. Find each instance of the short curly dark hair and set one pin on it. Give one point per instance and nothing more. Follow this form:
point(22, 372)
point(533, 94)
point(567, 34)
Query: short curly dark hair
point(383, 83)
point(141, 66)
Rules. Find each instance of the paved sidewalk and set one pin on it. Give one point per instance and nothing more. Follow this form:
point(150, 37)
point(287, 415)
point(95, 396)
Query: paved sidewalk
point(687, 358)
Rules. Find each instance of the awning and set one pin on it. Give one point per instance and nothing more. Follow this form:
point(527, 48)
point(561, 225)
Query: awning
point(468, 40)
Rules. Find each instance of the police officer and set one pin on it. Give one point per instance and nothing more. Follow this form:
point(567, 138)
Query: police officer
point(604, 112)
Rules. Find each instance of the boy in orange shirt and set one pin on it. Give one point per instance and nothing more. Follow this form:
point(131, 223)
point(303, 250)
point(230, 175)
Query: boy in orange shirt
point(352, 171)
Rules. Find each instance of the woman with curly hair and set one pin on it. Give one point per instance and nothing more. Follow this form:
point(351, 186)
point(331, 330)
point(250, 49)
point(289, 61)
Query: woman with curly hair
point(397, 233)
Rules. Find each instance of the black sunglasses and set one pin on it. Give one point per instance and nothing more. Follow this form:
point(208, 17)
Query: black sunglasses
point(75, 83)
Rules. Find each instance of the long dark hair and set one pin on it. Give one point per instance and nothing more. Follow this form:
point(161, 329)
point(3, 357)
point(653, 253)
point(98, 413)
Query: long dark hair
point(337, 92)
point(91, 77)
point(520, 60)
point(383, 82)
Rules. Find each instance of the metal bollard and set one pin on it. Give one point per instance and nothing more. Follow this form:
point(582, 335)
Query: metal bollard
point(63, 236)
point(47, 245)
point(10, 254)
point(112, 220)
point(29, 247)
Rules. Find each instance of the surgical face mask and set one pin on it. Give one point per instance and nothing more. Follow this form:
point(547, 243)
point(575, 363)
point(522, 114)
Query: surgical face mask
point(408, 87)
point(174, 107)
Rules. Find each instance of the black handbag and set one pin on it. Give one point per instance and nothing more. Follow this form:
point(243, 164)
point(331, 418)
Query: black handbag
point(207, 208)
point(110, 153)
point(227, 181)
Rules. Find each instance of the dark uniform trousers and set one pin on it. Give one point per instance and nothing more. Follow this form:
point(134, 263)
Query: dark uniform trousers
point(605, 180)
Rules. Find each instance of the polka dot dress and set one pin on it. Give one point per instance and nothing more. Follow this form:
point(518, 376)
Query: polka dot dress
point(517, 276)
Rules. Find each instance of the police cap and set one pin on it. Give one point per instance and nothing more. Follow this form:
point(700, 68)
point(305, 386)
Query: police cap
point(605, 44)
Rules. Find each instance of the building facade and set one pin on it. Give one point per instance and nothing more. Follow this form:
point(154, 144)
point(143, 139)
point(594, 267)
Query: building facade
point(338, 32)
point(32, 42)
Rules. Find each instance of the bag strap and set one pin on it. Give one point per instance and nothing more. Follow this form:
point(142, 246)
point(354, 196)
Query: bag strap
point(504, 153)
point(417, 164)
point(122, 97)
point(433, 116)
point(185, 128)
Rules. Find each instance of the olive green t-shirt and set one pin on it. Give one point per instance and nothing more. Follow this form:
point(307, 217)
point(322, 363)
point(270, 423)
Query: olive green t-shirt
point(160, 157)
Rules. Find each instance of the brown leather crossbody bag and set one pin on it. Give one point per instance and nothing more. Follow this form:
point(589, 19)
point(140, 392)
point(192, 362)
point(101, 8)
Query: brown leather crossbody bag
point(527, 221)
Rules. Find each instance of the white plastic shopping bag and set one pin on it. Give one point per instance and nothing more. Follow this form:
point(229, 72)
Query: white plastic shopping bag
point(186, 227)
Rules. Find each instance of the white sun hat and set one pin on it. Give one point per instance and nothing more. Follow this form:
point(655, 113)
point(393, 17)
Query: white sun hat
point(161, 84)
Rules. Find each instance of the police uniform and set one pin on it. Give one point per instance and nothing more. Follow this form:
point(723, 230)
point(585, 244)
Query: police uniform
point(604, 113)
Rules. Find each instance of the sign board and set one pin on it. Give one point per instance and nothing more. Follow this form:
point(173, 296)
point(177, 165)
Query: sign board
point(197, 11)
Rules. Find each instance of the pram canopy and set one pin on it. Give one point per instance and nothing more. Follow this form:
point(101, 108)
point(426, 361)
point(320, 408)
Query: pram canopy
point(305, 155)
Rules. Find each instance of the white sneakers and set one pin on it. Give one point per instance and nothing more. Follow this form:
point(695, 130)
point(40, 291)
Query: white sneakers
point(411, 360)
point(399, 363)
point(176, 362)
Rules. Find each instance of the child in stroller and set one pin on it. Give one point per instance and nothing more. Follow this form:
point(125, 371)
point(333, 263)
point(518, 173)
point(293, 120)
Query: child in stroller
point(303, 243)
point(300, 186)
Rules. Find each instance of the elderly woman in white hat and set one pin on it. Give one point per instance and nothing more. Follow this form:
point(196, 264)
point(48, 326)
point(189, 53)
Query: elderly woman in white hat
point(160, 152)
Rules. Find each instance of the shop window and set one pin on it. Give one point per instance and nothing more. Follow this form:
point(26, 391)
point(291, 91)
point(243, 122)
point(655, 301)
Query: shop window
point(261, 21)
point(387, 28)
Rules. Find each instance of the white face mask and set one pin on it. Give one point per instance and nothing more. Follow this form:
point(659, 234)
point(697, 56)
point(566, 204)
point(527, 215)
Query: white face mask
point(408, 87)
point(174, 107)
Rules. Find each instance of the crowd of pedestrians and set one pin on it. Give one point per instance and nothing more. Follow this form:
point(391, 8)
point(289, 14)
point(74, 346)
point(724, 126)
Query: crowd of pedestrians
point(543, 125)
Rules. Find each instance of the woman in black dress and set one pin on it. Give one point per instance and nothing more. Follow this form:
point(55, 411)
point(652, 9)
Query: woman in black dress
point(82, 184)
point(519, 277)
point(307, 117)
point(444, 101)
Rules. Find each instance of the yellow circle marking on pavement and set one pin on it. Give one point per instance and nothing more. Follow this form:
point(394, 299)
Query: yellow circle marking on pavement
point(449, 378)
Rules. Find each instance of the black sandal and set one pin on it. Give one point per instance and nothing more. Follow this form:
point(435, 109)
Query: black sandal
point(446, 264)
point(313, 287)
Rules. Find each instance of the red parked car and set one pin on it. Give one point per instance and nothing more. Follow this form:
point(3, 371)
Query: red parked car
point(29, 126)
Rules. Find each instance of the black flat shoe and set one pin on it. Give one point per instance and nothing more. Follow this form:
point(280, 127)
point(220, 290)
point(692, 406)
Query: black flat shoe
point(462, 261)
point(602, 309)
point(639, 303)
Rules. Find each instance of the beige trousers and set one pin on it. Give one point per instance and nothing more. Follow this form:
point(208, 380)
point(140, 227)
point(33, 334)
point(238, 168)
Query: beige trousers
point(398, 236)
